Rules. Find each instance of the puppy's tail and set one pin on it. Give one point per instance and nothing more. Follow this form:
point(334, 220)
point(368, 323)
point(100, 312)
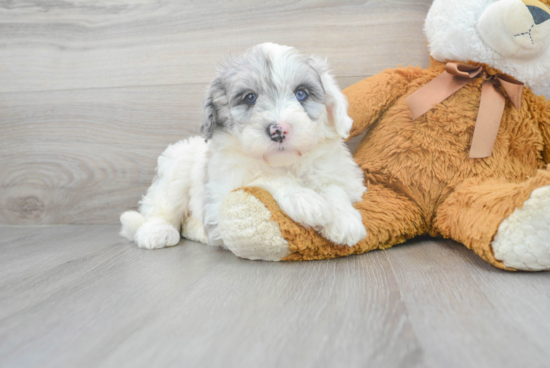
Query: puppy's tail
point(131, 221)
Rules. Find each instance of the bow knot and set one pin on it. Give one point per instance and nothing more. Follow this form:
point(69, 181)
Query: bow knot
point(491, 106)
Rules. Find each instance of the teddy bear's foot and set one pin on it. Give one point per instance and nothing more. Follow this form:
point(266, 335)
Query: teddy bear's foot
point(247, 230)
point(523, 239)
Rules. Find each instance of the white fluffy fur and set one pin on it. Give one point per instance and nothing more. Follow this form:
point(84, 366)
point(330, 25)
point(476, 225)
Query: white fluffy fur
point(176, 194)
point(315, 184)
point(523, 239)
point(453, 34)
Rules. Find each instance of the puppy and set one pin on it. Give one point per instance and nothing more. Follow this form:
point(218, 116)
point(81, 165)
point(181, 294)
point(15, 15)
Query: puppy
point(275, 119)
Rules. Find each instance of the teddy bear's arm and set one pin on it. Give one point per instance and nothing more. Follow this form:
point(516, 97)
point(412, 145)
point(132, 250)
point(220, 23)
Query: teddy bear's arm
point(371, 97)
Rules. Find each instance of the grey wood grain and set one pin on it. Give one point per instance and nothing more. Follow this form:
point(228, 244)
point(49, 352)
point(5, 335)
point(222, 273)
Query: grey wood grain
point(474, 313)
point(81, 296)
point(50, 45)
point(83, 156)
point(92, 93)
point(88, 298)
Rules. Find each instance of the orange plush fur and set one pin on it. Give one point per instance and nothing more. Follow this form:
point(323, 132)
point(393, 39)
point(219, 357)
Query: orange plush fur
point(419, 176)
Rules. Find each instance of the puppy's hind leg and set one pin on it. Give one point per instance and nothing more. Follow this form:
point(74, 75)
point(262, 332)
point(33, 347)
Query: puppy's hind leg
point(166, 204)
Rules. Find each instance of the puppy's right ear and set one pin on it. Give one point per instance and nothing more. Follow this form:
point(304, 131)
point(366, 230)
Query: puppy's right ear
point(211, 109)
point(335, 101)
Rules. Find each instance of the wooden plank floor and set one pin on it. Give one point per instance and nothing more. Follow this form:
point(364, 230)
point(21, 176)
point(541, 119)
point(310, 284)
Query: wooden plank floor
point(81, 296)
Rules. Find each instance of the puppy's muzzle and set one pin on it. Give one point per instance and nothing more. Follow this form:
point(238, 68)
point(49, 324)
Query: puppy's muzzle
point(278, 132)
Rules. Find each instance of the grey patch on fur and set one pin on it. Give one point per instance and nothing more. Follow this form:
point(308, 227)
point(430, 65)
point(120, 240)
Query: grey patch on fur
point(275, 84)
point(211, 108)
point(318, 70)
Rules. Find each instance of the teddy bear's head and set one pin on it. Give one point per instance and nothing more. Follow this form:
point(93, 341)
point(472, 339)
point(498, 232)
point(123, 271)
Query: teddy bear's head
point(510, 35)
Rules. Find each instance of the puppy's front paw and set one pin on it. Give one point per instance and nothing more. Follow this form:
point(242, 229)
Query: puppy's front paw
point(306, 207)
point(157, 233)
point(346, 229)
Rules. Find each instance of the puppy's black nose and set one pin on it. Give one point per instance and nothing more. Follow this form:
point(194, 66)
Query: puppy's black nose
point(277, 132)
point(539, 15)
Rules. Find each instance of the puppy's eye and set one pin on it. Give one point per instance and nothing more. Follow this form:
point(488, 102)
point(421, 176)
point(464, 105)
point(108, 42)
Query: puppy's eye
point(250, 98)
point(301, 95)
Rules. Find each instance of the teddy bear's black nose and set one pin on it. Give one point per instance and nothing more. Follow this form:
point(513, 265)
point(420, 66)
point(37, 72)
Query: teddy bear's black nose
point(539, 15)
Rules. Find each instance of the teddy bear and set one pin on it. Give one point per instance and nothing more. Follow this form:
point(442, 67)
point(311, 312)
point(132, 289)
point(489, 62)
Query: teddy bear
point(458, 150)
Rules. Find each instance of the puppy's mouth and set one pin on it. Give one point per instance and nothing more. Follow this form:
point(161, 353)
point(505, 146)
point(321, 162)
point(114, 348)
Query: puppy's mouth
point(282, 157)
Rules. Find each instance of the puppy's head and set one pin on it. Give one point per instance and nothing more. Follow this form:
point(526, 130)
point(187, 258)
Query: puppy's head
point(276, 103)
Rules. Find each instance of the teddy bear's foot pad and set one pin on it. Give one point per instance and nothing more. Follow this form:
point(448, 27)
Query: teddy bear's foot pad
point(247, 229)
point(523, 239)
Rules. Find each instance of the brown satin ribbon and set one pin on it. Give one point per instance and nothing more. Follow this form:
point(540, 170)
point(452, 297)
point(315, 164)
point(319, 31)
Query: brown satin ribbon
point(491, 106)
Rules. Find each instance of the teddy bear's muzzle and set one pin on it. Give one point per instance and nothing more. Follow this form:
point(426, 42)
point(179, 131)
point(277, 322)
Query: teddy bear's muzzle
point(516, 28)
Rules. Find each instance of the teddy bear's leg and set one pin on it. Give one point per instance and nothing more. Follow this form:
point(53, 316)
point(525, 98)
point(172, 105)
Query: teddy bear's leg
point(247, 229)
point(507, 224)
point(254, 227)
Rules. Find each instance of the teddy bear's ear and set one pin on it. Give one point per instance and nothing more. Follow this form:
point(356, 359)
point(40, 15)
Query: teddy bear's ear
point(335, 101)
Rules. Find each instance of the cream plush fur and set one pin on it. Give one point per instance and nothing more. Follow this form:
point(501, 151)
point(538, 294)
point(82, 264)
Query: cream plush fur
point(265, 242)
point(523, 239)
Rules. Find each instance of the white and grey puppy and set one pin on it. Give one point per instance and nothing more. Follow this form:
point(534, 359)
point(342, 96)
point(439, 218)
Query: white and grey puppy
point(275, 119)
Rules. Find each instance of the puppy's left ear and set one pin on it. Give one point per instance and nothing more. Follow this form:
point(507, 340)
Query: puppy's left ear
point(212, 116)
point(335, 101)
